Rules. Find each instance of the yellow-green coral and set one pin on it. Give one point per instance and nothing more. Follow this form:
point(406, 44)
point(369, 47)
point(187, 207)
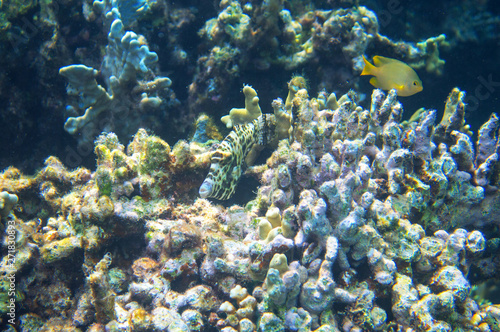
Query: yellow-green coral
point(12, 9)
point(432, 63)
point(113, 166)
point(296, 83)
point(155, 156)
point(231, 21)
point(279, 262)
point(103, 297)
point(239, 116)
point(57, 250)
point(284, 128)
point(455, 110)
point(272, 225)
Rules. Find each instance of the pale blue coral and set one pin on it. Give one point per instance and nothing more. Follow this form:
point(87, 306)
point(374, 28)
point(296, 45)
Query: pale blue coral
point(127, 60)
point(128, 11)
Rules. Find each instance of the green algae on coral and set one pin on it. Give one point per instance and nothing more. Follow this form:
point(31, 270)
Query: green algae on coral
point(12, 9)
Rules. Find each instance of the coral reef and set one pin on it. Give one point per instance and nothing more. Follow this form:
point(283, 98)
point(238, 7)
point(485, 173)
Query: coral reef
point(358, 224)
point(210, 48)
point(308, 36)
point(321, 210)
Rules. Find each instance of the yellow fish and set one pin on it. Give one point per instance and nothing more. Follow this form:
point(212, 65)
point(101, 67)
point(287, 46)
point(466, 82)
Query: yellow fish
point(392, 74)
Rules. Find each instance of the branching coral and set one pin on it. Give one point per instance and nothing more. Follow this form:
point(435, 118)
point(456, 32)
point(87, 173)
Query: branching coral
point(130, 84)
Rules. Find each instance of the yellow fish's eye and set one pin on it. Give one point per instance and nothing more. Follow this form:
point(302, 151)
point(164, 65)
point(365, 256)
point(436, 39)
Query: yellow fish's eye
point(415, 83)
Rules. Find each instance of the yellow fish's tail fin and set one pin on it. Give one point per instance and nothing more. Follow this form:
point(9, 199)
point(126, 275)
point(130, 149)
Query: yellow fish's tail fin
point(369, 69)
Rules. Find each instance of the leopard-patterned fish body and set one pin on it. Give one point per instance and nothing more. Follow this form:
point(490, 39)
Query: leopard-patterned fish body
point(228, 160)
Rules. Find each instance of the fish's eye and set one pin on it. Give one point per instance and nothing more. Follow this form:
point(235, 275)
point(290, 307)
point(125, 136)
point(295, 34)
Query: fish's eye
point(415, 83)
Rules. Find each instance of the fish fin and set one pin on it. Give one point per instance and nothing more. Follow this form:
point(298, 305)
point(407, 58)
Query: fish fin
point(382, 60)
point(400, 91)
point(374, 81)
point(368, 69)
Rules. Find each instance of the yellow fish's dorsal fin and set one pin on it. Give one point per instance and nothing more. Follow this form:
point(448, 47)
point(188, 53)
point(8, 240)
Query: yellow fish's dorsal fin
point(369, 69)
point(382, 60)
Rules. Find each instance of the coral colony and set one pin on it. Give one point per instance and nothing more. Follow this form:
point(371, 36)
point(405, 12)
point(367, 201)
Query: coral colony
point(361, 221)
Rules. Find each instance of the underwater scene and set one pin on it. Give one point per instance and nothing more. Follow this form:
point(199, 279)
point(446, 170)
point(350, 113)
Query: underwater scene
point(250, 165)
